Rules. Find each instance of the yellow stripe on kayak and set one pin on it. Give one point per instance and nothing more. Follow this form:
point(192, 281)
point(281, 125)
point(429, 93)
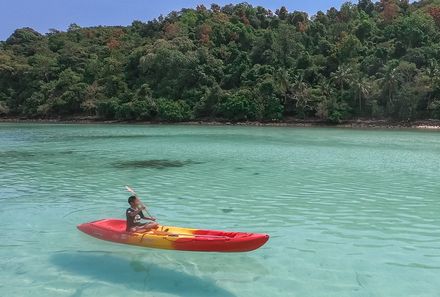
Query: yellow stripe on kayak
point(160, 238)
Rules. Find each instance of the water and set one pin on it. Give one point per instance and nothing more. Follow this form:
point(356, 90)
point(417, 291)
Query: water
point(350, 212)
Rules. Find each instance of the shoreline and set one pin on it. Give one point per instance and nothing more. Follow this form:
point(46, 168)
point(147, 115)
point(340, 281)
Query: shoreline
point(355, 124)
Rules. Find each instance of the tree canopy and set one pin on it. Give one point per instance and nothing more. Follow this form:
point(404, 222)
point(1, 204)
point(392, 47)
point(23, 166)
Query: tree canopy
point(237, 62)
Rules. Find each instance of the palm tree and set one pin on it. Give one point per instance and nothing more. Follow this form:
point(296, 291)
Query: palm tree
point(433, 72)
point(362, 88)
point(325, 88)
point(283, 79)
point(302, 96)
point(389, 83)
point(341, 76)
point(326, 98)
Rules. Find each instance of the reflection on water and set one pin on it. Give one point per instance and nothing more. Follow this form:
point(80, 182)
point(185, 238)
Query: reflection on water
point(137, 275)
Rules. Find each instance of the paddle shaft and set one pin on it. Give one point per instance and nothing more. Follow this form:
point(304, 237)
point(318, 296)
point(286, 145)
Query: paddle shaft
point(149, 214)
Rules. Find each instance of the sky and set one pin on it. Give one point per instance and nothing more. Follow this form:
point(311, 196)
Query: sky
point(43, 15)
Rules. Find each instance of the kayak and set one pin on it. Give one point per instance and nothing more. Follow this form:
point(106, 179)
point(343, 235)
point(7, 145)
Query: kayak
point(175, 238)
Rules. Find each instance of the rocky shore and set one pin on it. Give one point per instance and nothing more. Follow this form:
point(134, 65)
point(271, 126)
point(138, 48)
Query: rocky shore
point(358, 124)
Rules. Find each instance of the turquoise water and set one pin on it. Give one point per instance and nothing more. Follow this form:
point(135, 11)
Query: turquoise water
point(350, 212)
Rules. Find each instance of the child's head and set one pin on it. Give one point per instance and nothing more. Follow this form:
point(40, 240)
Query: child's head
point(133, 201)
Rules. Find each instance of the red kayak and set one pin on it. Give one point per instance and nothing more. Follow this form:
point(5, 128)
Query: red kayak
point(175, 238)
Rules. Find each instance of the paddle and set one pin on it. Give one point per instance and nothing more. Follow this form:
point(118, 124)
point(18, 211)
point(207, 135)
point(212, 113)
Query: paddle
point(134, 193)
point(166, 233)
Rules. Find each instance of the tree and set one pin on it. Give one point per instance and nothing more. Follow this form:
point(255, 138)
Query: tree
point(239, 106)
point(340, 77)
point(329, 108)
point(302, 97)
point(362, 89)
point(435, 14)
point(389, 83)
point(286, 45)
point(284, 87)
point(367, 6)
point(282, 13)
point(389, 10)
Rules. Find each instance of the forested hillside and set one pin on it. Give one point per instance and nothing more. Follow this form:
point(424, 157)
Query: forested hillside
point(237, 62)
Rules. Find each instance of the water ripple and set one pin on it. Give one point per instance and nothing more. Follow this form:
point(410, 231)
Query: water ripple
point(353, 213)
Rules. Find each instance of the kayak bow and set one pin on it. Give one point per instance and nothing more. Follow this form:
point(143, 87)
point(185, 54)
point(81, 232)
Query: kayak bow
point(175, 238)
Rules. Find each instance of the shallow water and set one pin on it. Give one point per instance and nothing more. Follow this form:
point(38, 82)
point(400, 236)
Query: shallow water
point(350, 212)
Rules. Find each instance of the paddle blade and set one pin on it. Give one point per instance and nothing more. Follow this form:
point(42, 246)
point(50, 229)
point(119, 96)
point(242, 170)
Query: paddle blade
point(130, 190)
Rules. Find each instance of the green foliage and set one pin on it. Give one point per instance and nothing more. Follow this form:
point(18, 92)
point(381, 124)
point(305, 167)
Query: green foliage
point(237, 63)
point(239, 106)
point(136, 110)
point(173, 111)
point(435, 109)
point(3, 108)
point(107, 109)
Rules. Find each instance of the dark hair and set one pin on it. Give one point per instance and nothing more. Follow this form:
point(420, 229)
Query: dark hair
point(131, 199)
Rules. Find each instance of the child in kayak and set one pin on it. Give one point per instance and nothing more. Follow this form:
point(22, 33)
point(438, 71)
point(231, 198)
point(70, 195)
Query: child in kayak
point(134, 216)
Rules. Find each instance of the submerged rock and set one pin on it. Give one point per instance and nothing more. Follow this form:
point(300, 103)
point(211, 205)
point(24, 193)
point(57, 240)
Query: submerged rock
point(155, 163)
point(227, 210)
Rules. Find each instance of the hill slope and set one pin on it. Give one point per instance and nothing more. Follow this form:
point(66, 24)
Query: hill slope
point(236, 63)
